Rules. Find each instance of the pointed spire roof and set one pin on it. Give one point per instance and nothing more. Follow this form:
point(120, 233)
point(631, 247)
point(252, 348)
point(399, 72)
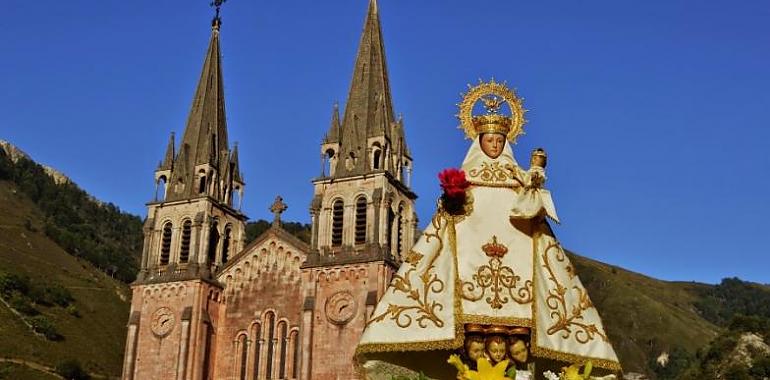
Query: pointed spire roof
point(168, 158)
point(235, 165)
point(333, 135)
point(205, 137)
point(369, 90)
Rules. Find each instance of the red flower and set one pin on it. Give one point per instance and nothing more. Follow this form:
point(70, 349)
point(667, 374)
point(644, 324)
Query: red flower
point(453, 182)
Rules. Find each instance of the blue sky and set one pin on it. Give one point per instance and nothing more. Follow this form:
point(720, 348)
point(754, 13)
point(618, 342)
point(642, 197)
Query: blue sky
point(655, 114)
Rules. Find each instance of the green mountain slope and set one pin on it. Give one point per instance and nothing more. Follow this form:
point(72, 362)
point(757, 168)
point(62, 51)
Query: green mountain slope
point(645, 317)
point(92, 330)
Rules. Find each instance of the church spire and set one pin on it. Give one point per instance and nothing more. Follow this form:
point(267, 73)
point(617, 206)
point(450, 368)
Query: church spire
point(204, 149)
point(168, 158)
point(369, 108)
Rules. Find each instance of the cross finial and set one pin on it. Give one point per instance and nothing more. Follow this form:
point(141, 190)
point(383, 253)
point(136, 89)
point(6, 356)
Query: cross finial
point(217, 21)
point(277, 209)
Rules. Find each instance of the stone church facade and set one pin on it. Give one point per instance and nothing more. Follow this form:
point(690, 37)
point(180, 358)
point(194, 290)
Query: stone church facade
point(207, 306)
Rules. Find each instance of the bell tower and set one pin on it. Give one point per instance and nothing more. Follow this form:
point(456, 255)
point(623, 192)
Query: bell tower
point(362, 213)
point(193, 226)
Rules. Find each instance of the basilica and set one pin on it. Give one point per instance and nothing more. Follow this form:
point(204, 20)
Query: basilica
point(207, 306)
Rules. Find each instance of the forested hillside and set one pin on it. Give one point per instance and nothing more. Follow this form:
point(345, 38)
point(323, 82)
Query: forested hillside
point(97, 232)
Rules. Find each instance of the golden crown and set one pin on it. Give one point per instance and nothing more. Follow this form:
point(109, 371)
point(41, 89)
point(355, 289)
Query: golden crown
point(494, 249)
point(493, 123)
point(493, 95)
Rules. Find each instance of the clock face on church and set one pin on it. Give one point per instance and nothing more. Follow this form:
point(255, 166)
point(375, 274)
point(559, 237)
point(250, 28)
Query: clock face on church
point(341, 307)
point(162, 321)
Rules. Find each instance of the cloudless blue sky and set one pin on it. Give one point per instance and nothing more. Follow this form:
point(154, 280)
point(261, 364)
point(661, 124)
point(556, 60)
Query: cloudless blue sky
point(655, 114)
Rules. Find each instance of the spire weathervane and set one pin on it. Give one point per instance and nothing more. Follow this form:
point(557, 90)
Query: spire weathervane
point(217, 21)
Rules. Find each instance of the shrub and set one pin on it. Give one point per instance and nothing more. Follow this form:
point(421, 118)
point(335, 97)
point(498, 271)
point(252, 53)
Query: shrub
point(72, 370)
point(11, 282)
point(22, 304)
point(44, 326)
point(73, 311)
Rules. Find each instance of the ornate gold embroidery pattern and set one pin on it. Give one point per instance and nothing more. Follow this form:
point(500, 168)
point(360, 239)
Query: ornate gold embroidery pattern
point(412, 258)
point(493, 172)
point(497, 278)
point(548, 353)
point(459, 333)
point(557, 304)
point(424, 308)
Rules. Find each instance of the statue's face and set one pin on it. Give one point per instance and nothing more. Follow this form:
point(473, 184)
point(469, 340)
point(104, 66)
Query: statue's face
point(496, 351)
point(475, 350)
point(492, 144)
point(518, 351)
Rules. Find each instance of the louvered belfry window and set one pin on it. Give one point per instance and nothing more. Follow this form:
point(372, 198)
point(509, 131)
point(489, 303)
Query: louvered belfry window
point(165, 244)
point(361, 220)
point(184, 251)
point(337, 222)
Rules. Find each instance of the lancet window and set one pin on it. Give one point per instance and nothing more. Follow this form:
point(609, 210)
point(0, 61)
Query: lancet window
point(243, 356)
point(329, 160)
point(274, 350)
point(257, 348)
point(361, 220)
point(376, 156)
point(270, 344)
point(226, 242)
point(295, 358)
point(338, 211)
point(160, 189)
point(282, 340)
point(184, 247)
point(400, 233)
point(391, 222)
point(201, 181)
point(165, 243)
point(213, 242)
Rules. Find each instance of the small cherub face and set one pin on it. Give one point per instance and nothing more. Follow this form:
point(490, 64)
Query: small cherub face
point(518, 351)
point(475, 350)
point(492, 144)
point(496, 350)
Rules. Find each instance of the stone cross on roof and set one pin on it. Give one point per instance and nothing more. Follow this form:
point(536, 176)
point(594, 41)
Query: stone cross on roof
point(277, 208)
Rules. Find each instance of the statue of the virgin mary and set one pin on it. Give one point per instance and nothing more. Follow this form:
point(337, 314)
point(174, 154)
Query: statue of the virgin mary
point(487, 270)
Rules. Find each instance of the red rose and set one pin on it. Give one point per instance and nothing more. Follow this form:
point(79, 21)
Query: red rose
point(453, 182)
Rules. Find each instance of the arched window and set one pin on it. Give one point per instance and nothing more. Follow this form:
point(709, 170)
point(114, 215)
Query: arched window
point(213, 242)
point(184, 247)
point(226, 244)
point(376, 156)
point(165, 243)
point(160, 188)
point(235, 199)
point(243, 357)
point(257, 348)
point(391, 222)
point(202, 185)
point(282, 339)
point(338, 210)
point(401, 227)
point(329, 158)
point(295, 359)
point(361, 220)
point(270, 344)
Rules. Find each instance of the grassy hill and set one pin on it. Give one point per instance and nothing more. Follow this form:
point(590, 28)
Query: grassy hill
point(92, 330)
point(645, 317)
